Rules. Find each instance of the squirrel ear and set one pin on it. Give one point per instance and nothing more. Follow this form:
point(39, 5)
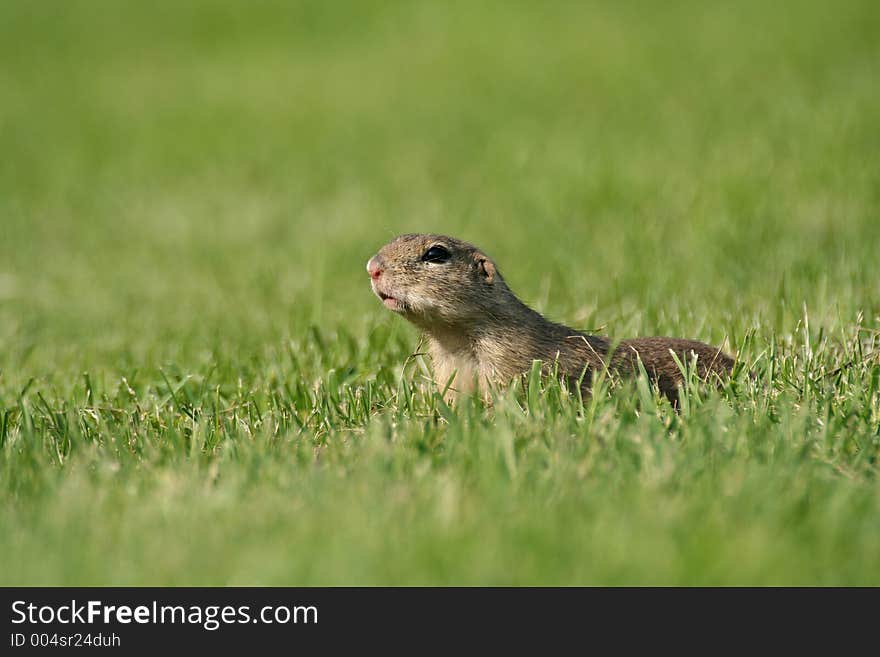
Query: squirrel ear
point(486, 267)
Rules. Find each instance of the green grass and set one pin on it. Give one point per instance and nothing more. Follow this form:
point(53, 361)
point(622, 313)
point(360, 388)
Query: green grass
point(198, 387)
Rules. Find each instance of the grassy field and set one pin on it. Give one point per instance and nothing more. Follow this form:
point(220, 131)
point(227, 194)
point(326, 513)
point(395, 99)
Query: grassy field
point(197, 386)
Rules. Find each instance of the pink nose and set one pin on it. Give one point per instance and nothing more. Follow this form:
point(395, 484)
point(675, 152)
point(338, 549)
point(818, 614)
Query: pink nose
point(373, 268)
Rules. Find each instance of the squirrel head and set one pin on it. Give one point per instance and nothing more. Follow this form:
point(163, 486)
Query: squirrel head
point(435, 280)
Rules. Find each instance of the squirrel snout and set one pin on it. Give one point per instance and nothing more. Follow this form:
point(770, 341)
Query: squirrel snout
point(374, 267)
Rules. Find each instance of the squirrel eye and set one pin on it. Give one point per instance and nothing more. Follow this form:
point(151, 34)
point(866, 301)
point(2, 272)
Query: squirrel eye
point(436, 254)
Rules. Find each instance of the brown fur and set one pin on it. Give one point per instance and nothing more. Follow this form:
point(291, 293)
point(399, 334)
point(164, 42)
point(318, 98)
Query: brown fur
point(479, 332)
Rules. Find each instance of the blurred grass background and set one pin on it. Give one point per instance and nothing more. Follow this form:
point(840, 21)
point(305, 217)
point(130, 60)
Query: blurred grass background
point(189, 192)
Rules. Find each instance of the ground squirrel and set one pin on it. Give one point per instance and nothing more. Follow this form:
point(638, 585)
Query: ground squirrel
point(480, 333)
